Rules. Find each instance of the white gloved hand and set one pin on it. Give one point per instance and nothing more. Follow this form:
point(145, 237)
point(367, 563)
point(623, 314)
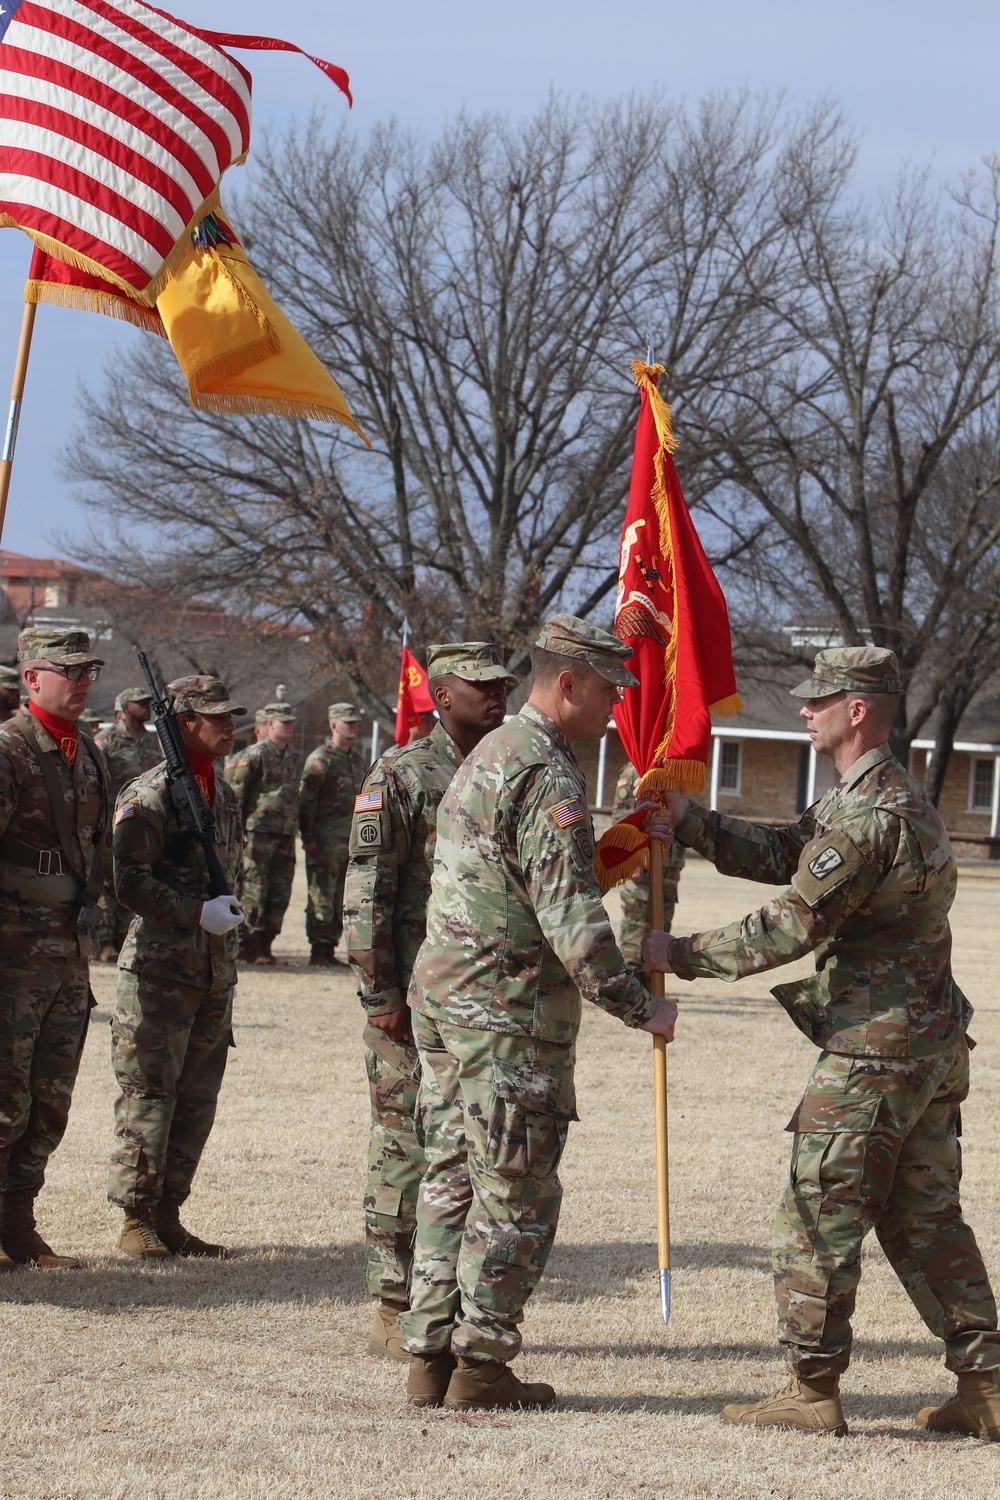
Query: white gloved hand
point(221, 914)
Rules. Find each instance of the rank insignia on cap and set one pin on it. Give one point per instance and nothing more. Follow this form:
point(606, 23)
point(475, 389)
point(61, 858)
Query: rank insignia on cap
point(368, 802)
point(127, 810)
point(825, 863)
point(565, 814)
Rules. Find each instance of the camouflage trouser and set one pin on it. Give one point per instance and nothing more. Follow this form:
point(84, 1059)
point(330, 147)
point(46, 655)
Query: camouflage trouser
point(44, 1004)
point(169, 1046)
point(635, 906)
point(325, 872)
point(111, 930)
point(395, 1165)
point(268, 872)
point(494, 1111)
point(876, 1144)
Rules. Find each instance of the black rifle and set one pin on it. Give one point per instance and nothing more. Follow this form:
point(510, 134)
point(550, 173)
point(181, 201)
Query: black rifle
point(193, 814)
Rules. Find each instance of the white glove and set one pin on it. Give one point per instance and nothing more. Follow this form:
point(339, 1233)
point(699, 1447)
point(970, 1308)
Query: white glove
point(221, 914)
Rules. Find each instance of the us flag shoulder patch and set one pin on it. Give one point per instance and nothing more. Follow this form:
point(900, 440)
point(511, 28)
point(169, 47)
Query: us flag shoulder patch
point(565, 814)
point(127, 810)
point(368, 802)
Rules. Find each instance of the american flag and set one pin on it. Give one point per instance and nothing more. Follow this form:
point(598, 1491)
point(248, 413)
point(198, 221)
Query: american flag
point(116, 124)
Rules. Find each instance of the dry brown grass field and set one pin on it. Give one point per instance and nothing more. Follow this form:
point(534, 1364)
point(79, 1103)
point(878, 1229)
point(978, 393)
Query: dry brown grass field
point(248, 1378)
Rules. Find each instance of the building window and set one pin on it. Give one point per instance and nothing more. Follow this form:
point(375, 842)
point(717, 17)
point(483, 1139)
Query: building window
point(981, 775)
point(730, 766)
point(52, 599)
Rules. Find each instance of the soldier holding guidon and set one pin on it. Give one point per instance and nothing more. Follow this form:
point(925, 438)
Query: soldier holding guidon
point(385, 903)
point(516, 935)
point(331, 778)
point(54, 816)
point(172, 1026)
point(129, 749)
point(875, 1136)
point(265, 777)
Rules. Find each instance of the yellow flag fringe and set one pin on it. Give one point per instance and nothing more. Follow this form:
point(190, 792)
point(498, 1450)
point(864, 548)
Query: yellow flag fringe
point(89, 299)
point(621, 836)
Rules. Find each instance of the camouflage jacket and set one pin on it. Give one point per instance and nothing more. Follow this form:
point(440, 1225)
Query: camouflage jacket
point(389, 874)
point(161, 876)
point(29, 836)
point(128, 754)
point(330, 780)
point(623, 802)
point(516, 928)
point(872, 881)
point(264, 779)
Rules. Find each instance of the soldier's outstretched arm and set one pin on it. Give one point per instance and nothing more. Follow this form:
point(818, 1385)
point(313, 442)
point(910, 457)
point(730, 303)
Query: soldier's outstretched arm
point(750, 850)
point(556, 857)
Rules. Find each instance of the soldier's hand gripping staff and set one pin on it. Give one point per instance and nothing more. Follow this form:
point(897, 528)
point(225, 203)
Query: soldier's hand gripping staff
point(177, 850)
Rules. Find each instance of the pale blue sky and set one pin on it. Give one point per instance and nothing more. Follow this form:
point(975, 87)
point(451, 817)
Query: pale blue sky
point(917, 80)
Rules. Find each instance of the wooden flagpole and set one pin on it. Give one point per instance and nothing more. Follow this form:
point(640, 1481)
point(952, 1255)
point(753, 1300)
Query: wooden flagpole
point(16, 394)
point(657, 988)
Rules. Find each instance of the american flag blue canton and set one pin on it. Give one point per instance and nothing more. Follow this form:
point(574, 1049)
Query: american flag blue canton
point(565, 814)
point(7, 13)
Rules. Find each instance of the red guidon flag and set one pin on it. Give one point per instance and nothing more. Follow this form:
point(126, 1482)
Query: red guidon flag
point(414, 696)
point(672, 612)
point(116, 124)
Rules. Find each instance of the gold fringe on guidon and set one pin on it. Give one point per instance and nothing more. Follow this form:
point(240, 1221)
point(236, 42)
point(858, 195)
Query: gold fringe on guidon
point(621, 836)
point(726, 707)
point(89, 299)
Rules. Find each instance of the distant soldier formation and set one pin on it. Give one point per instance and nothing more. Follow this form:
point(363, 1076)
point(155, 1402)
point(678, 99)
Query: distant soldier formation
point(458, 872)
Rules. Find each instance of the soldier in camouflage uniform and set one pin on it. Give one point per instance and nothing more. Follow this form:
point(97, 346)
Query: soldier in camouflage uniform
point(385, 902)
point(129, 749)
point(171, 1030)
point(635, 891)
point(876, 1133)
point(331, 778)
point(265, 777)
point(10, 693)
point(54, 815)
point(516, 934)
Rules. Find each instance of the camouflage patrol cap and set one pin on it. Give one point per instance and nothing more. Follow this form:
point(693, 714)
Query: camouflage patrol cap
point(343, 713)
point(851, 669)
point(132, 695)
point(260, 717)
point(10, 677)
point(89, 717)
point(283, 712)
point(61, 648)
point(202, 695)
point(567, 635)
point(475, 661)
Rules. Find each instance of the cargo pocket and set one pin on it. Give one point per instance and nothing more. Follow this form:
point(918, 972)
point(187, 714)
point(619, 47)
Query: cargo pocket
point(529, 1120)
point(393, 1079)
point(843, 1156)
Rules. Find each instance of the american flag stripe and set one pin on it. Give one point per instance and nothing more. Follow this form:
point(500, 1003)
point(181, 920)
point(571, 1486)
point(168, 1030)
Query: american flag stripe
point(116, 123)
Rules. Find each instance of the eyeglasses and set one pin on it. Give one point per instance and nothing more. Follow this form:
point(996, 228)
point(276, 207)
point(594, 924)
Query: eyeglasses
point(74, 674)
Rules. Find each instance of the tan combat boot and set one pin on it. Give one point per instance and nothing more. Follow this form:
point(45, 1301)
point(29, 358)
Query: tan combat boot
point(21, 1240)
point(429, 1377)
point(138, 1237)
point(806, 1406)
point(974, 1409)
point(489, 1384)
point(386, 1337)
point(165, 1217)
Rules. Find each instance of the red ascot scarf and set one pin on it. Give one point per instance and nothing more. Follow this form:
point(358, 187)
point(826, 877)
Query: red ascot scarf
point(203, 767)
point(63, 731)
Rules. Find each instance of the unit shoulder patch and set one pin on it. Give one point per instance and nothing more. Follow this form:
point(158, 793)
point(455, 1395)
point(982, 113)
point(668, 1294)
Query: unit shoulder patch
point(823, 864)
point(565, 814)
point(828, 863)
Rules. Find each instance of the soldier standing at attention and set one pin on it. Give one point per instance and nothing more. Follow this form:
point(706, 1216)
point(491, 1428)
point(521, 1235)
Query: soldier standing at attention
point(129, 749)
point(54, 815)
point(172, 1027)
point(385, 904)
point(516, 934)
point(10, 693)
point(330, 779)
point(635, 891)
point(876, 1132)
point(264, 777)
